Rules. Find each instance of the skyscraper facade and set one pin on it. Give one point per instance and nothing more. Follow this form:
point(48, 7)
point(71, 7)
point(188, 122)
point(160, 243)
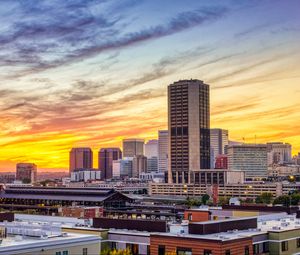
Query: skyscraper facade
point(106, 156)
point(189, 129)
point(151, 148)
point(122, 168)
point(218, 143)
point(250, 158)
point(163, 150)
point(139, 165)
point(26, 172)
point(279, 153)
point(81, 158)
point(151, 152)
point(133, 147)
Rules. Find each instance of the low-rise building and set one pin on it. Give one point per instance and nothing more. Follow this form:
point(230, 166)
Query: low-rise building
point(241, 190)
point(283, 170)
point(7, 178)
point(153, 177)
point(29, 238)
point(85, 175)
point(81, 212)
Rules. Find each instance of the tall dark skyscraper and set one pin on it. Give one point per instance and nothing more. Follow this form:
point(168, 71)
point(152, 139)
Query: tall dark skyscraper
point(81, 158)
point(106, 156)
point(189, 130)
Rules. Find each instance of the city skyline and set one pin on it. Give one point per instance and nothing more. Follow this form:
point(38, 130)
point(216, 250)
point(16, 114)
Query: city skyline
point(92, 74)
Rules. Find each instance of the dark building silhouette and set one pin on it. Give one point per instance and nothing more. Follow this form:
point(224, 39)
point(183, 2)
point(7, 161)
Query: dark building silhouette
point(81, 158)
point(106, 156)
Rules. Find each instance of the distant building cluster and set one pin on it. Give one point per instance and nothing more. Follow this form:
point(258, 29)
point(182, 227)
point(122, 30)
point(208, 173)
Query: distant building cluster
point(188, 148)
point(189, 152)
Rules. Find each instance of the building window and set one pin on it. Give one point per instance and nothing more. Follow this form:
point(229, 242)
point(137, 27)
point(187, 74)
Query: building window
point(256, 249)
point(298, 242)
point(207, 252)
point(265, 247)
point(247, 251)
point(85, 251)
point(65, 253)
point(284, 246)
point(58, 253)
point(183, 251)
point(161, 250)
point(113, 245)
point(227, 252)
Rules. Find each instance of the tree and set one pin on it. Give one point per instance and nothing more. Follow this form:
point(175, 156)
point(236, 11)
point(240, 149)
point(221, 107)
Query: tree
point(192, 202)
point(264, 198)
point(295, 198)
point(282, 200)
point(248, 201)
point(205, 199)
point(223, 201)
point(116, 252)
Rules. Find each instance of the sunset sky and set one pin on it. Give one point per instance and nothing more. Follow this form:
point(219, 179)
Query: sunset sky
point(90, 73)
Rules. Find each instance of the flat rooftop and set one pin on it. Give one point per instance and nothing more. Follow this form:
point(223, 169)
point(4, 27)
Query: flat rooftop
point(287, 223)
point(22, 244)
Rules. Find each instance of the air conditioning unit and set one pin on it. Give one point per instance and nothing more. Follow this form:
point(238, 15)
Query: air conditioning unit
point(276, 228)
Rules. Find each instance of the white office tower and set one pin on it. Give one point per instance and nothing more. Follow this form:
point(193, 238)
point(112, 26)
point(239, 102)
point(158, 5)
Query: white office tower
point(151, 152)
point(250, 158)
point(163, 149)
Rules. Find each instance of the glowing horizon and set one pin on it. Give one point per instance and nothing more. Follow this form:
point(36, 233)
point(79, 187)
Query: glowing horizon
point(92, 73)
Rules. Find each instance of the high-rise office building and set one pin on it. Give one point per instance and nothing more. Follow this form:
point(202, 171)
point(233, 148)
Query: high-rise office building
point(122, 168)
point(279, 153)
point(250, 158)
point(106, 156)
point(81, 158)
point(26, 172)
point(163, 150)
point(189, 129)
point(151, 152)
point(139, 165)
point(151, 149)
point(152, 164)
point(133, 147)
point(218, 143)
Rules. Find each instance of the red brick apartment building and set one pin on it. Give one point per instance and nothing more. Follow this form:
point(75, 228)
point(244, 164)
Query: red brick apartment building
point(162, 244)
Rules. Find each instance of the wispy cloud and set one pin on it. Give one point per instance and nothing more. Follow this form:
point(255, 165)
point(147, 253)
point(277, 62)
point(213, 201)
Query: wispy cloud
point(57, 36)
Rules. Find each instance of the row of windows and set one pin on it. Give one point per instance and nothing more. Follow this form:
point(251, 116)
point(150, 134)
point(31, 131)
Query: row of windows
point(188, 251)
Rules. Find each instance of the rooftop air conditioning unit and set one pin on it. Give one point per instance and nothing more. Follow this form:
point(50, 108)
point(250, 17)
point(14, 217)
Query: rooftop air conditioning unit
point(276, 228)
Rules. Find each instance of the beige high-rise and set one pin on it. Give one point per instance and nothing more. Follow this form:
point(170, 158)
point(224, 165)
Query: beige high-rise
point(133, 147)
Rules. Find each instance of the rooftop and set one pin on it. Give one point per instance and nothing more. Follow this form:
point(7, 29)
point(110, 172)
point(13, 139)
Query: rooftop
point(26, 237)
point(287, 223)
